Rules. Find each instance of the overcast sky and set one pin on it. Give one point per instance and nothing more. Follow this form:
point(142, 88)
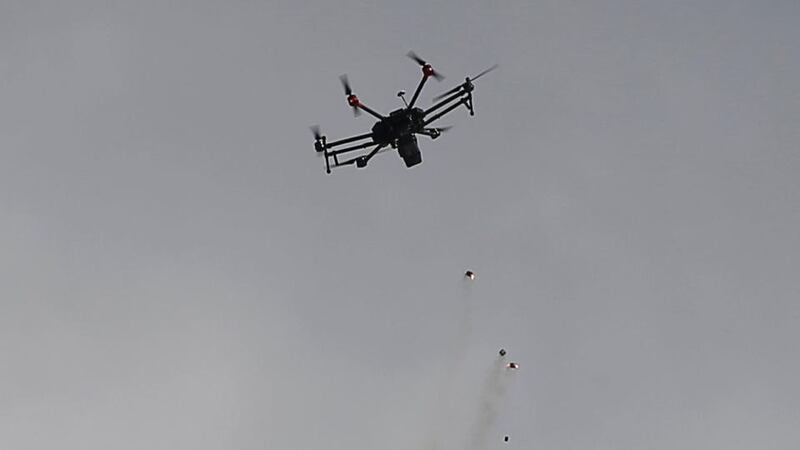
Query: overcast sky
point(178, 272)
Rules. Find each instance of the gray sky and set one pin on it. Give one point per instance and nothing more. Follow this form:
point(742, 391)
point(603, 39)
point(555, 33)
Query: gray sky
point(177, 271)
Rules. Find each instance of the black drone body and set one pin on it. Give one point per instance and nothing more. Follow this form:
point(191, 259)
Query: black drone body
point(398, 129)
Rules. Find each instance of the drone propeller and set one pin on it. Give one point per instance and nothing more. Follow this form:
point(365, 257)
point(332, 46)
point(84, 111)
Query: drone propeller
point(484, 72)
point(315, 131)
point(345, 84)
point(416, 58)
point(426, 68)
point(451, 91)
point(319, 145)
point(468, 80)
point(352, 100)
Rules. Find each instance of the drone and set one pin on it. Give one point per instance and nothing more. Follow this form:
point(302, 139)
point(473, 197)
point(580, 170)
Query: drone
point(398, 129)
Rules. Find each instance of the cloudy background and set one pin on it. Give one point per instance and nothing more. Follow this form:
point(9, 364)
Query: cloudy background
point(177, 271)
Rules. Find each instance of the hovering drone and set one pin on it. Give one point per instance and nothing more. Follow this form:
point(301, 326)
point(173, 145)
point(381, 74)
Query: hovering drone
point(398, 129)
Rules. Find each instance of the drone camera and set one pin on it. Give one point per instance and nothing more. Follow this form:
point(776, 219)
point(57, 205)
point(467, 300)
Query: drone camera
point(409, 150)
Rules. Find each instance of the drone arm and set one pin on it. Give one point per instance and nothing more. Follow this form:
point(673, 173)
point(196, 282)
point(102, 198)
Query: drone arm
point(348, 140)
point(351, 149)
point(432, 133)
point(462, 101)
point(444, 102)
point(369, 110)
point(362, 160)
point(373, 152)
point(425, 77)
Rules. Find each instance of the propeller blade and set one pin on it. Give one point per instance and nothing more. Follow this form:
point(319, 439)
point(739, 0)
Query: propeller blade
point(451, 91)
point(315, 131)
point(345, 84)
point(443, 129)
point(416, 58)
point(348, 91)
point(425, 65)
point(484, 72)
point(455, 89)
point(320, 149)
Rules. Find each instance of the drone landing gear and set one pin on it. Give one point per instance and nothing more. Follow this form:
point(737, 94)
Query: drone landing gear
point(468, 104)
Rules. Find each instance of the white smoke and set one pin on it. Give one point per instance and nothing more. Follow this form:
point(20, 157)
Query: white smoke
point(453, 364)
point(489, 400)
point(460, 419)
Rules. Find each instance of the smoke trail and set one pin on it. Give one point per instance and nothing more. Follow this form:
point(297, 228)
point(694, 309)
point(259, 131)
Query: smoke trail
point(464, 330)
point(453, 365)
point(491, 395)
